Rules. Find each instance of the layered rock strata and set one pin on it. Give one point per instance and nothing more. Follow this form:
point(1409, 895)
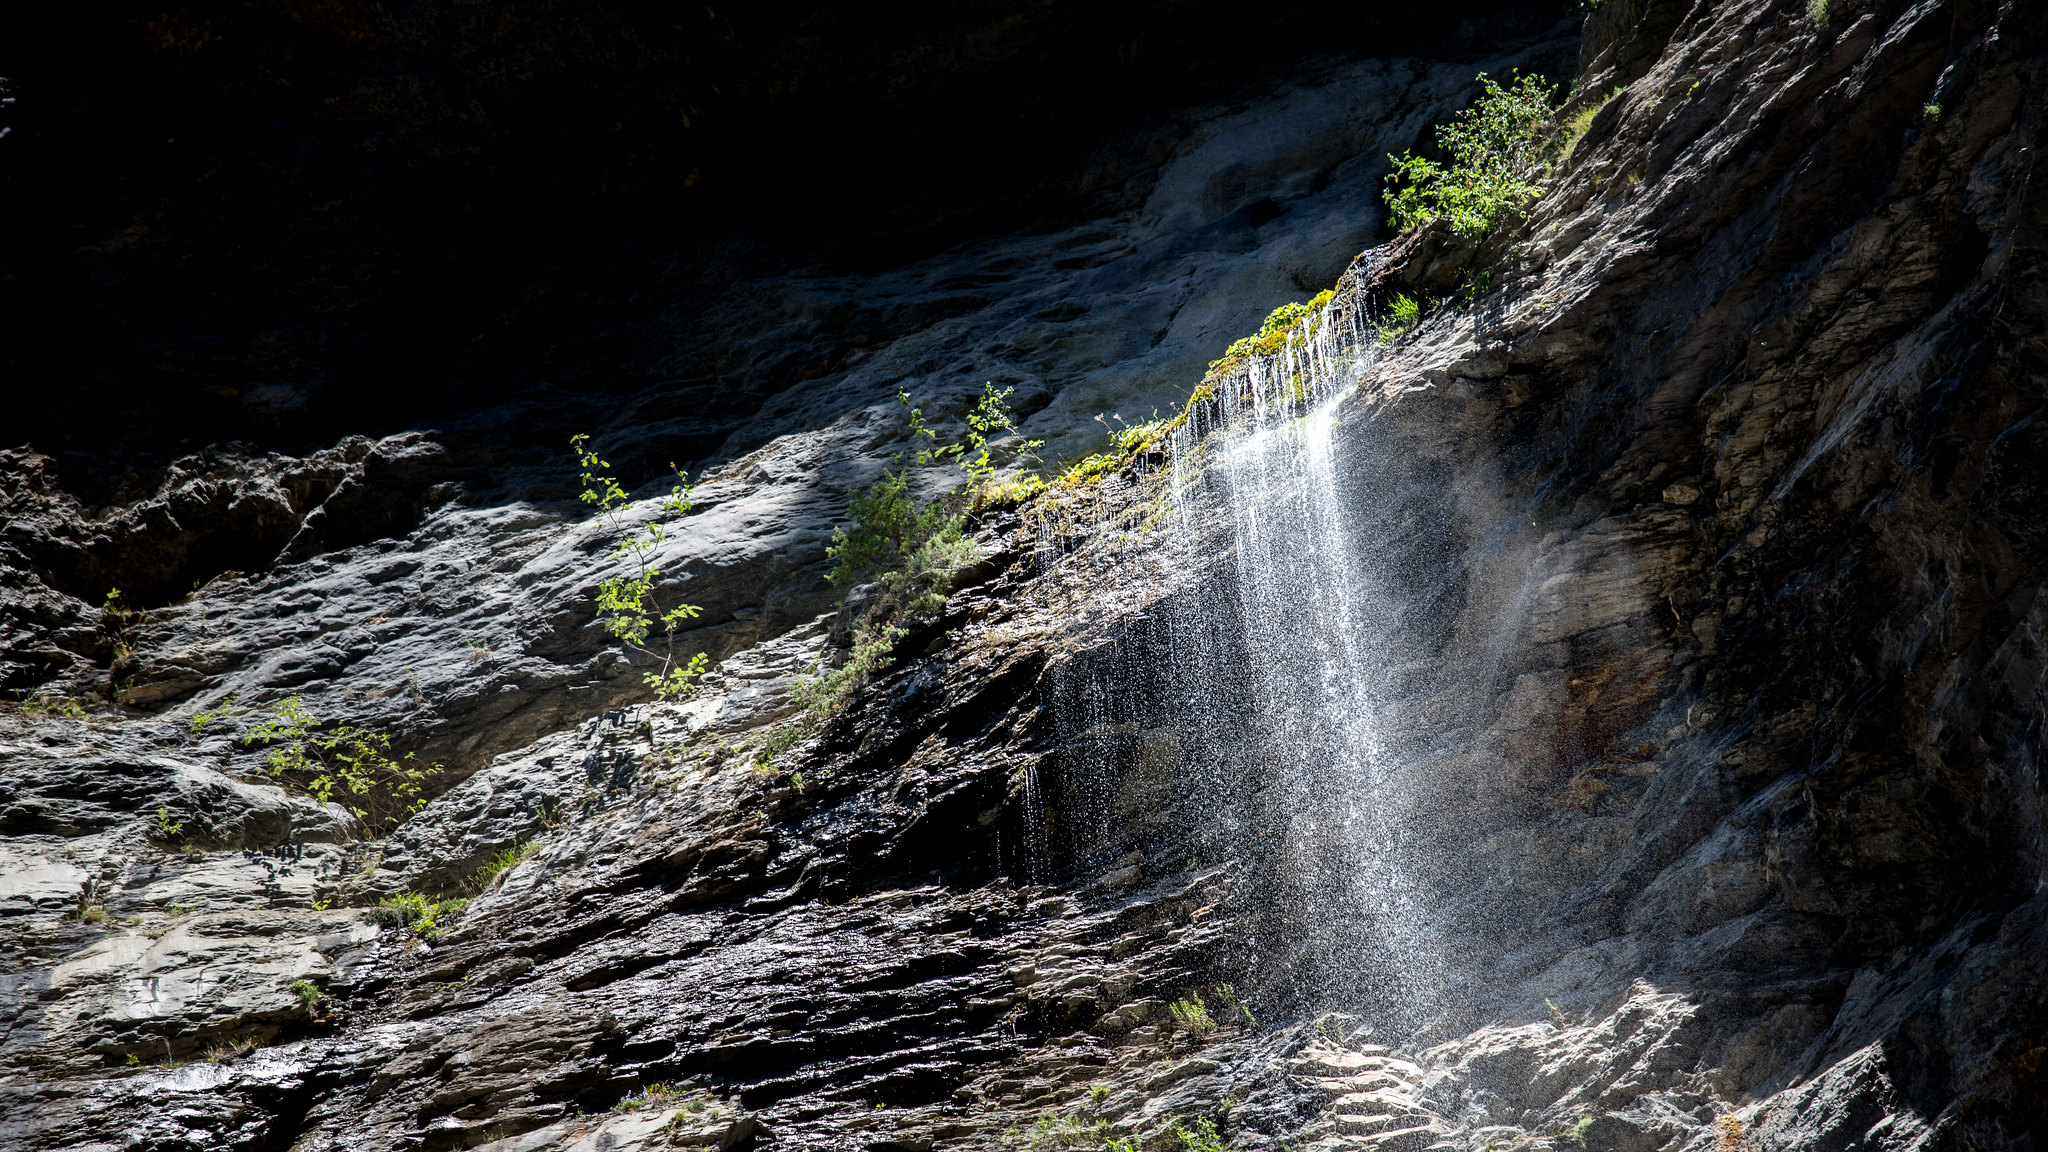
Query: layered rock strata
point(1731, 697)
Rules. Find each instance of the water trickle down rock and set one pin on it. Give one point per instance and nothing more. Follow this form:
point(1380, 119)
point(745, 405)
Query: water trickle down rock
point(1655, 857)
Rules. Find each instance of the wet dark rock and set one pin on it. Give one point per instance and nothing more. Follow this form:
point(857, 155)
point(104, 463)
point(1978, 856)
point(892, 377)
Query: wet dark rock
point(1718, 508)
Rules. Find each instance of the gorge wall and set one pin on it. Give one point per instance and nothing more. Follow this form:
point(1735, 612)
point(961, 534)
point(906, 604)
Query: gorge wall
point(1605, 717)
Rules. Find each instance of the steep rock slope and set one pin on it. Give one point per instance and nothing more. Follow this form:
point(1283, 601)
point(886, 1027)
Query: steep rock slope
point(1762, 377)
point(1736, 738)
point(436, 585)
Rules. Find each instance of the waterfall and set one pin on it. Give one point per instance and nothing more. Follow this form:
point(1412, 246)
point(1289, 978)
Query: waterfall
point(1267, 682)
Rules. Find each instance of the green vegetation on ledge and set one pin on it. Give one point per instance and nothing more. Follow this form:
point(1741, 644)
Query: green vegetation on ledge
point(1283, 326)
point(911, 549)
point(1496, 153)
point(1290, 325)
point(344, 764)
point(503, 862)
point(627, 604)
point(1575, 126)
point(1403, 314)
point(1125, 443)
point(419, 916)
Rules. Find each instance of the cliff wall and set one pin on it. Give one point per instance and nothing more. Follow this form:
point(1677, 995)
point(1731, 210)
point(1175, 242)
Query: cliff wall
point(1710, 530)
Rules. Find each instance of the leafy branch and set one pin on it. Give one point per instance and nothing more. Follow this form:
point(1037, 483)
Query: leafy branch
point(913, 549)
point(344, 764)
point(989, 418)
point(627, 604)
point(1496, 151)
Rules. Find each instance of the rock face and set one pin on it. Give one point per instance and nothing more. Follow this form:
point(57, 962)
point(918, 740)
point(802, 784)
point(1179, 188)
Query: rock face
point(1710, 525)
point(1768, 631)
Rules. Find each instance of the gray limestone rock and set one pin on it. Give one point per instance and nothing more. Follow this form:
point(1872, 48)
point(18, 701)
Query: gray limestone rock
point(1718, 513)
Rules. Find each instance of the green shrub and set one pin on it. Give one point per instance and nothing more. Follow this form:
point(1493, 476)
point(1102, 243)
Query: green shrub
point(1402, 315)
point(825, 693)
point(225, 1050)
point(912, 549)
point(627, 604)
point(1576, 125)
point(345, 764)
point(887, 521)
point(915, 548)
point(1496, 150)
point(1192, 1015)
point(1202, 1137)
point(424, 918)
point(662, 1095)
point(1229, 1009)
point(766, 744)
point(1051, 1130)
point(309, 995)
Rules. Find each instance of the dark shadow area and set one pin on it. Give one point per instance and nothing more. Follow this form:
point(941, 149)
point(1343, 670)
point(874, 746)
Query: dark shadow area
point(283, 223)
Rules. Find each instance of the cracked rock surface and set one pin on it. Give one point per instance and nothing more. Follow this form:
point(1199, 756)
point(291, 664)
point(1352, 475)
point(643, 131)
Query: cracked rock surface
point(1731, 683)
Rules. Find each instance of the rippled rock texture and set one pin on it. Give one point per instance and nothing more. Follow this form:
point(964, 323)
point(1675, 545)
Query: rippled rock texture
point(1726, 485)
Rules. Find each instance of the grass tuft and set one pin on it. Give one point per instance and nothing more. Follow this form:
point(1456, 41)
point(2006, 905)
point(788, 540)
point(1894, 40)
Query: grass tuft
point(425, 919)
point(503, 862)
point(1192, 1015)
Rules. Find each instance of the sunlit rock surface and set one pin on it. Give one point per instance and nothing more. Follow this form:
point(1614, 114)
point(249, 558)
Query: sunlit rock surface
point(1606, 718)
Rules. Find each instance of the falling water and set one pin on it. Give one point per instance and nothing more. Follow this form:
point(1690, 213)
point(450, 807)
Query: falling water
point(1268, 680)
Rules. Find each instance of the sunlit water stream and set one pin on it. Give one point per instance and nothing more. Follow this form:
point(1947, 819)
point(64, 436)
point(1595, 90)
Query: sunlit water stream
point(1263, 687)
